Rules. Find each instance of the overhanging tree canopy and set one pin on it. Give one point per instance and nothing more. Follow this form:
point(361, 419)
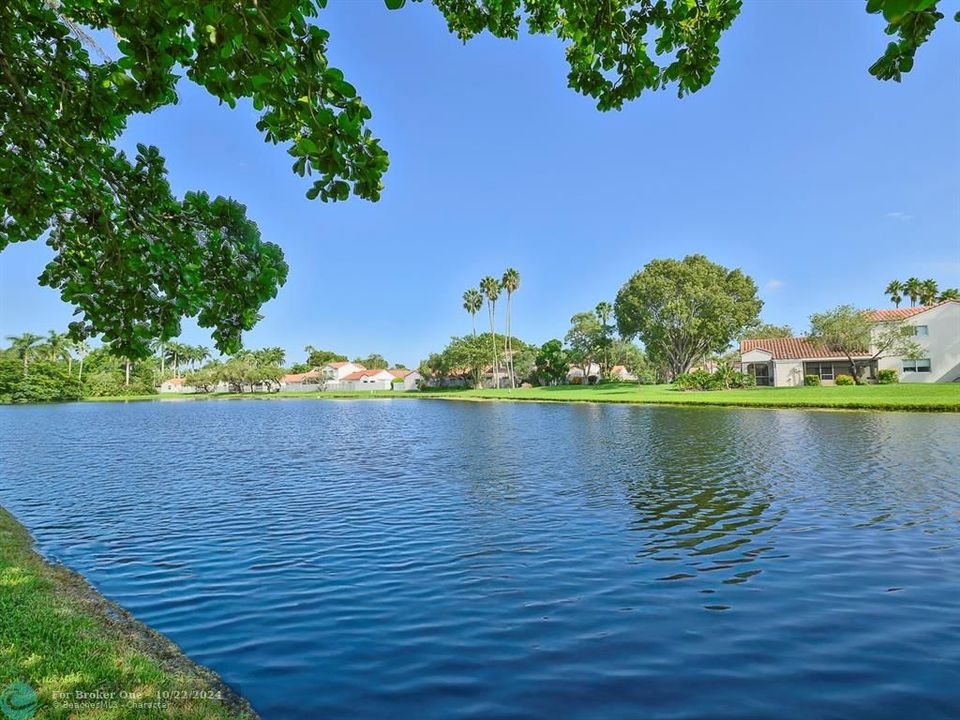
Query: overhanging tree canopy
point(134, 259)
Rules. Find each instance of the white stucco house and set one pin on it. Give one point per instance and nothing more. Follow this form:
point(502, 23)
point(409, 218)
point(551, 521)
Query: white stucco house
point(348, 376)
point(176, 385)
point(410, 379)
point(783, 362)
point(620, 372)
point(937, 334)
point(311, 381)
point(576, 375)
point(366, 380)
point(339, 370)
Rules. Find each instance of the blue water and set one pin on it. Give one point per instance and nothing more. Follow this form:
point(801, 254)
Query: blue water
point(418, 559)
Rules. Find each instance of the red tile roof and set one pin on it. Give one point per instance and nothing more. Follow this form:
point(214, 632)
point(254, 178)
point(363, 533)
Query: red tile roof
point(360, 374)
point(175, 381)
point(341, 364)
point(298, 377)
point(903, 313)
point(794, 348)
point(399, 372)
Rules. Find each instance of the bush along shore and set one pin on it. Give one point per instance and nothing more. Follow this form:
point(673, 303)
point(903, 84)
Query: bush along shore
point(939, 397)
point(68, 652)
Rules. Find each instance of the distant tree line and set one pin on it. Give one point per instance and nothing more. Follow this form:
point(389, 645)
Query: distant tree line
point(686, 314)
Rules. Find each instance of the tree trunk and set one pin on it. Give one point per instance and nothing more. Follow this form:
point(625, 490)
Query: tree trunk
point(509, 349)
point(126, 381)
point(80, 371)
point(491, 308)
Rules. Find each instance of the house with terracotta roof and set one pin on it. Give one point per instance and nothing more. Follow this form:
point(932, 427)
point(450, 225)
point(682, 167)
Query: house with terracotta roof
point(620, 372)
point(405, 380)
point(175, 385)
point(310, 381)
point(784, 362)
point(339, 370)
point(366, 380)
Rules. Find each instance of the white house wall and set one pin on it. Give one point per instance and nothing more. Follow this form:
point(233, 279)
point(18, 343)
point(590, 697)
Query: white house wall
point(941, 346)
point(369, 385)
point(787, 373)
point(756, 356)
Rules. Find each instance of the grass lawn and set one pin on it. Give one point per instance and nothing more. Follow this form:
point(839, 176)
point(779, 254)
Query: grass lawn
point(60, 637)
point(936, 397)
point(932, 397)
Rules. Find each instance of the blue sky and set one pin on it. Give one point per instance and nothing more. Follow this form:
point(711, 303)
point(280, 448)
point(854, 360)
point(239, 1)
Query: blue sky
point(793, 164)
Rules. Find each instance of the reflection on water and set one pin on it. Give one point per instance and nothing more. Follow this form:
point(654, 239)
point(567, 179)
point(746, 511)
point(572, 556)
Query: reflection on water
point(451, 560)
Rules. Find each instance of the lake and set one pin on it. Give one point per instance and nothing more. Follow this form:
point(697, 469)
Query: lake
point(448, 560)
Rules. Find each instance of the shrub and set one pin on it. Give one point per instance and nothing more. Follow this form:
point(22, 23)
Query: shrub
point(696, 380)
point(721, 379)
point(887, 377)
point(845, 380)
point(811, 379)
point(727, 377)
point(646, 377)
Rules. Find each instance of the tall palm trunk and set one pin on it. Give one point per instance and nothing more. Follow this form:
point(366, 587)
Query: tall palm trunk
point(163, 360)
point(80, 371)
point(491, 308)
point(508, 348)
point(126, 380)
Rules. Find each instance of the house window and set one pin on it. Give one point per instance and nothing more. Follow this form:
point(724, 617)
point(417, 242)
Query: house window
point(922, 330)
point(823, 370)
point(828, 371)
point(916, 366)
point(760, 372)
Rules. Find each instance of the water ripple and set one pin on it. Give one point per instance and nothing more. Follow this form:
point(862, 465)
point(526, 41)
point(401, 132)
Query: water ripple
point(445, 560)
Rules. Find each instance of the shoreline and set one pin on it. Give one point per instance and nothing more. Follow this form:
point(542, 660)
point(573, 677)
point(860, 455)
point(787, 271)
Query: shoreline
point(62, 618)
point(937, 398)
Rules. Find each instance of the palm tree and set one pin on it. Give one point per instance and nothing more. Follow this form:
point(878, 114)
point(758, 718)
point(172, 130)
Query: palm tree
point(175, 353)
point(949, 294)
point(511, 283)
point(912, 289)
point(201, 353)
point(472, 303)
point(491, 288)
point(56, 346)
point(189, 355)
point(160, 347)
point(82, 350)
point(895, 291)
point(23, 345)
point(928, 292)
point(603, 312)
